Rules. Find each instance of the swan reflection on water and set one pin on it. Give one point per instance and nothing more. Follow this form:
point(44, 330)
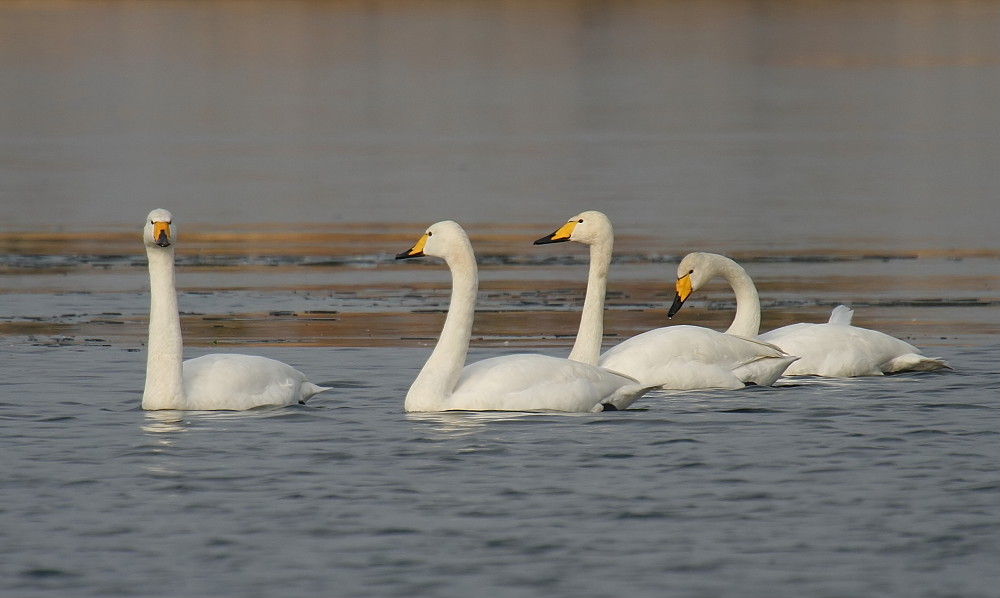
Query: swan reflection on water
point(165, 424)
point(455, 424)
point(161, 424)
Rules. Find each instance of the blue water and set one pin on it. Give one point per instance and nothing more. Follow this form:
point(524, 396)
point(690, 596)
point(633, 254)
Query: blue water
point(866, 487)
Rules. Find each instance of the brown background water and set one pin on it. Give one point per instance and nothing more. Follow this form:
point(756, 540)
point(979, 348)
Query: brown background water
point(843, 151)
point(315, 129)
point(782, 123)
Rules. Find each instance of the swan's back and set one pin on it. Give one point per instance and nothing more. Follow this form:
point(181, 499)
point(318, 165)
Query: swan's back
point(528, 382)
point(692, 357)
point(237, 382)
point(839, 350)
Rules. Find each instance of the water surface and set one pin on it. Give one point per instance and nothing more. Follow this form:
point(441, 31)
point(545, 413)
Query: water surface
point(843, 152)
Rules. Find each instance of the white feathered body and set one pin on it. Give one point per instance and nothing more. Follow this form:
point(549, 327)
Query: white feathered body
point(523, 382)
point(692, 357)
point(675, 357)
point(210, 382)
point(836, 349)
point(230, 381)
point(527, 382)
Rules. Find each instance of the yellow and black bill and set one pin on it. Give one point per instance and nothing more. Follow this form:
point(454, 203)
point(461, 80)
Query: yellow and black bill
point(561, 235)
point(683, 292)
point(415, 251)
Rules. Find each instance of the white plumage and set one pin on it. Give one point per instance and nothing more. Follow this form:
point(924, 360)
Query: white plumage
point(210, 382)
point(520, 382)
point(834, 349)
point(674, 357)
point(692, 357)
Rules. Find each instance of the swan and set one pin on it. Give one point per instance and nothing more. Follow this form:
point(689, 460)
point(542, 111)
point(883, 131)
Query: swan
point(520, 382)
point(674, 357)
point(209, 382)
point(834, 349)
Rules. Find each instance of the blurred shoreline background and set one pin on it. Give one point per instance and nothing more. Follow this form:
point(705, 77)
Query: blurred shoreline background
point(844, 151)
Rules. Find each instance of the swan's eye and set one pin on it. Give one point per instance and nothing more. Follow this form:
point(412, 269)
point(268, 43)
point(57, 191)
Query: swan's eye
point(690, 272)
point(580, 221)
point(429, 234)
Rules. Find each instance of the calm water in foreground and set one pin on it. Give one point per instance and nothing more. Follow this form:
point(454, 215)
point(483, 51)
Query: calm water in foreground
point(844, 152)
point(867, 487)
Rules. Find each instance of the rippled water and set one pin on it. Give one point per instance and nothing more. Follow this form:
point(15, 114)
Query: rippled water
point(820, 488)
point(843, 152)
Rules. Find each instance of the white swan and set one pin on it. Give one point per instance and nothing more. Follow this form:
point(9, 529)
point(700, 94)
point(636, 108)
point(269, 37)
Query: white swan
point(507, 383)
point(209, 382)
point(674, 357)
point(834, 349)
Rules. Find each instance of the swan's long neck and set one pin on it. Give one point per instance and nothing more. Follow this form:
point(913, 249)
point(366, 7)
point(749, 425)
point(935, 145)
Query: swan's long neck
point(440, 374)
point(747, 320)
point(587, 348)
point(165, 348)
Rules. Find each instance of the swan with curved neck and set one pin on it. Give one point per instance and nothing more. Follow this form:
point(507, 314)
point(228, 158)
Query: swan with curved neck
point(210, 382)
point(592, 228)
point(675, 357)
point(521, 382)
point(834, 349)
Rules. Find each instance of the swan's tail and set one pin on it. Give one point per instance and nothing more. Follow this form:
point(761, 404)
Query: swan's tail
point(841, 315)
point(766, 368)
point(625, 396)
point(309, 390)
point(764, 371)
point(911, 362)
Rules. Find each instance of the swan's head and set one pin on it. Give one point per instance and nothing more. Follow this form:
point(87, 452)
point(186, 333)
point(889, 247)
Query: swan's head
point(159, 230)
point(587, 227)
point(693, 272)
point(444, 239)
